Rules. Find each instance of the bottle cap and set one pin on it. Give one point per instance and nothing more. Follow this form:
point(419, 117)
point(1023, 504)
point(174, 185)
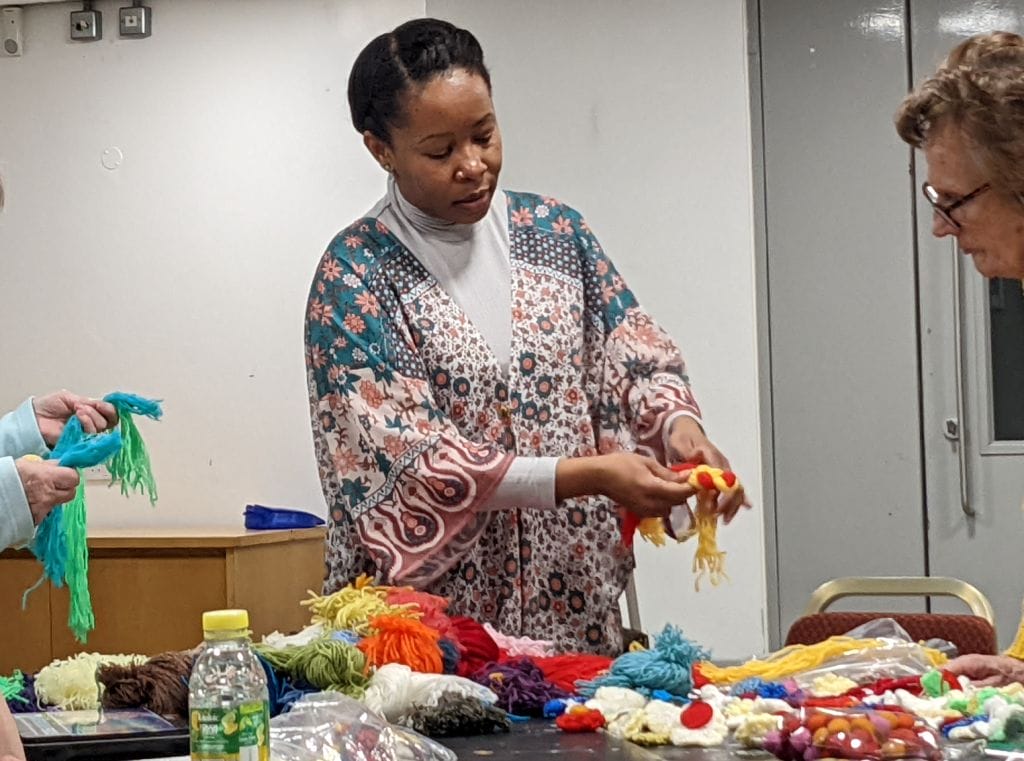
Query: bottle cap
point(225, 620)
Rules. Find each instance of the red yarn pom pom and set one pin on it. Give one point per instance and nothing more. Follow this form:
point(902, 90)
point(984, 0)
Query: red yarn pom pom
point(580, 720)
point(479, 647)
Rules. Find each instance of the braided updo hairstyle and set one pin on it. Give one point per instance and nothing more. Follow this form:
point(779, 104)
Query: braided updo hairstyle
point(413, 54)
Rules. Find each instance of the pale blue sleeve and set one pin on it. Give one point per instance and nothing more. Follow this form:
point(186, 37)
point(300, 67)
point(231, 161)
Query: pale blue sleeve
point(19, 433)
point(16, 526)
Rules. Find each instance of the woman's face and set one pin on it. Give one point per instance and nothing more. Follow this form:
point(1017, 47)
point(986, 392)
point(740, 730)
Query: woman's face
point(991, 224)
point(446, 154)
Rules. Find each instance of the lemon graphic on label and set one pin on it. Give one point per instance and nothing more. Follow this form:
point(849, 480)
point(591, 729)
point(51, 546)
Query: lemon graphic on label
point(228, 723)
point(195, 721)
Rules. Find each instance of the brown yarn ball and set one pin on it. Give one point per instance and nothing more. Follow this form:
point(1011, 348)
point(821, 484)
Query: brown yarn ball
point(160, 684)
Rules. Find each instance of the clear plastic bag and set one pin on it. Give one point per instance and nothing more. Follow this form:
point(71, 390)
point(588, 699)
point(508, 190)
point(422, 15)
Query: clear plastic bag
point(880, 628)
point(899, 657)
point(894, 660)
point(329, 726)
point(810, 734)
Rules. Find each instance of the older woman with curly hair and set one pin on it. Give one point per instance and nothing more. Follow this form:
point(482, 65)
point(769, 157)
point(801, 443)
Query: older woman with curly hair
point(968, 119)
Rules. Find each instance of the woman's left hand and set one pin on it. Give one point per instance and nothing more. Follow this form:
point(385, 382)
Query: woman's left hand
point(688, 443)
point(54, 410)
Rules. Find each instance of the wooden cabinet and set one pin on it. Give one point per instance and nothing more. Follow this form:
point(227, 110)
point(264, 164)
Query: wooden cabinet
point(150, 588)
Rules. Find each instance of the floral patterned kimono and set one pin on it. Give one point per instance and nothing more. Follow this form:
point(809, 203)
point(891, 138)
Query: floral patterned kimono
point(415, 424)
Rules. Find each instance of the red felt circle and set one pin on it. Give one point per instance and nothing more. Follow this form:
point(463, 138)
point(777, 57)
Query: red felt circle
point(697, 715)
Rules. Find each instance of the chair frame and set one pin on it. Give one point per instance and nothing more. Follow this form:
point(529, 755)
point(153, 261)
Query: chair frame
point(900, 586)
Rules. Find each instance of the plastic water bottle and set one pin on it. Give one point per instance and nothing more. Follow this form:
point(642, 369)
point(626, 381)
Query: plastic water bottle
point(229, 709)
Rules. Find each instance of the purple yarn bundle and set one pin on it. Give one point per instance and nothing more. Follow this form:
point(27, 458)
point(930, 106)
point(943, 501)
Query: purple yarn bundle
point(520, 686)
point(26, 702)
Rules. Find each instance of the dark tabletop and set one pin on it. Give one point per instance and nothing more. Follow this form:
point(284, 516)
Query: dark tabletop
point(542, 739)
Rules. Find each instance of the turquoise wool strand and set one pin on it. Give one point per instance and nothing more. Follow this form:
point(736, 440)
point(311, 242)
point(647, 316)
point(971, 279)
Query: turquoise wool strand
point(130, 466)
point(61, 542)
point(667, 666)
point(12, 688)
point(81, 619)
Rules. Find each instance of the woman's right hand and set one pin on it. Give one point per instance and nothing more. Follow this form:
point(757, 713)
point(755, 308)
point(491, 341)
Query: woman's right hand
point(640, 484)
point(988, 670)
point(46, 485)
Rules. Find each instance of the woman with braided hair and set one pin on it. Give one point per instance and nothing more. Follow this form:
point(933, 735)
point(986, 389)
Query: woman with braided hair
point(485, 389)
point(968, 119)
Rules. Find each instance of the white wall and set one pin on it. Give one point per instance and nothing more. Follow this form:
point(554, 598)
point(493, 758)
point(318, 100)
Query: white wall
point(183, 273)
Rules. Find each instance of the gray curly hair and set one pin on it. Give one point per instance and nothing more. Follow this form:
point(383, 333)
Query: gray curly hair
point(978, 89)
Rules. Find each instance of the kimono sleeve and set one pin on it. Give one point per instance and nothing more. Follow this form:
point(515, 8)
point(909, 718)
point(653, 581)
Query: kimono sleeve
point(644, 368)
point(392, 464)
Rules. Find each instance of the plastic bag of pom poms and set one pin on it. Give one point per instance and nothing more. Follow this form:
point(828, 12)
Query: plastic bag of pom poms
point(333, 727)
point(329, 726)
point(874, 735)
point(888, 659)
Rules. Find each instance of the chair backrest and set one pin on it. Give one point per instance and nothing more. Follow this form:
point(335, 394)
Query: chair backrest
point(973, 633)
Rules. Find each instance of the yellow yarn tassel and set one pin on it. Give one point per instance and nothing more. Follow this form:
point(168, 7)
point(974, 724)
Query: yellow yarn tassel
point(653, 530)
point(1016, 650)
point(796, 659)
point(352, 607)
point(708, 559)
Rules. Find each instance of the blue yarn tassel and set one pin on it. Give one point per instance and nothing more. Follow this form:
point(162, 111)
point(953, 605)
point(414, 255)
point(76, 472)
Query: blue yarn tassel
point(60, 543)
point(92, 450)
point(667, 666)
point(136, 405)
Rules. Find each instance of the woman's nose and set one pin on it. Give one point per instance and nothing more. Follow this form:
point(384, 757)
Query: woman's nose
point(941, 226)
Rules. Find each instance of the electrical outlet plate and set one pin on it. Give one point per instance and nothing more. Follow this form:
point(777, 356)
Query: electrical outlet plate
point(136, 21)
point(96, 473)
point(11, 44)
point(86, 26)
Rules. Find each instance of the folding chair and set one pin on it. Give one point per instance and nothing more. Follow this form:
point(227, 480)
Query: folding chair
point(974, 633)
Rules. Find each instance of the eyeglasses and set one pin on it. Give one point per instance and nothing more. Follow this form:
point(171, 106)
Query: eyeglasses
point(945, 210)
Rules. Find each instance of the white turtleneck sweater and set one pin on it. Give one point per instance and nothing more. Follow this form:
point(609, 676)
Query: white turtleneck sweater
point(473, 265)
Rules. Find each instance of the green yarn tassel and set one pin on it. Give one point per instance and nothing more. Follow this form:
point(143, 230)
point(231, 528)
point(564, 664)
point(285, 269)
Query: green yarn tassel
point(80, 615)
point(12, 688)
point(131, 466)
point(326, 664)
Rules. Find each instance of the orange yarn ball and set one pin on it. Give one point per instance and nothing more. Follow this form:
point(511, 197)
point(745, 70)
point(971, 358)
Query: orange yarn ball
point(403, 640)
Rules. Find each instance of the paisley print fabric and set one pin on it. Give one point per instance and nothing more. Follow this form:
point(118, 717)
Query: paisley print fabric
point(414, 423)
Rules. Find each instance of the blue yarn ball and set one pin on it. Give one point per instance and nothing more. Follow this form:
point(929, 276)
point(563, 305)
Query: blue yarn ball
point(667, 667)
point(554, 708)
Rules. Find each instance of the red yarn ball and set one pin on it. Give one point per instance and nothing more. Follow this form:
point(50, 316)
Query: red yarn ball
point(580, 720)
point(479, 648)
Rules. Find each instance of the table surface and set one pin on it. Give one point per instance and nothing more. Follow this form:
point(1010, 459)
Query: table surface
point(537, 739)
point(541, 739)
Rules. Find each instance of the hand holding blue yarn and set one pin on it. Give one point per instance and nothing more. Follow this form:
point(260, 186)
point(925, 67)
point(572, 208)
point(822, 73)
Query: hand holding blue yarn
point(60, 543)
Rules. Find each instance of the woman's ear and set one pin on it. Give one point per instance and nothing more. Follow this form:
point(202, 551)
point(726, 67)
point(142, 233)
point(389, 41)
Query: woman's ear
point(380, 150)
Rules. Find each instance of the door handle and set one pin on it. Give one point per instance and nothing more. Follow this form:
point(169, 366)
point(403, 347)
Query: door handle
point(956, 430)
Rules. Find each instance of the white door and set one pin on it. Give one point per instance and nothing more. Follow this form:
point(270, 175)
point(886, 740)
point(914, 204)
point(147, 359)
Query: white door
point(972, 370)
